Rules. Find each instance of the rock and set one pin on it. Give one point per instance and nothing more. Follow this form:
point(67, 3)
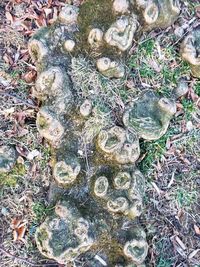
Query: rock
point(121, 33)
point(8, 158)
point(69, 14)
point(119, 145)
point(182, 88)
point(38, 49)
point(95, 37)
point(64, 235)
point(158, 13)
point(121, 6)
point(189, 126)
point(65, 173)
point(126, 197)
point(54, 83)
point(149, 115)
point(69, 45)
point(189, 51)
point(86, 108)
point(49, 126)
point(137, 248)
point(111, 69)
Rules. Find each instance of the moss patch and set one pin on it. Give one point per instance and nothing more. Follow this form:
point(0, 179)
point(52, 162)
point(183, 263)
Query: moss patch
point(10, 179)
point(95, 14)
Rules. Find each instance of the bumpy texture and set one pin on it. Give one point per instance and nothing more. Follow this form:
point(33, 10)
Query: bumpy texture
point(149, 115)
point(190, 49)
point(101, 191)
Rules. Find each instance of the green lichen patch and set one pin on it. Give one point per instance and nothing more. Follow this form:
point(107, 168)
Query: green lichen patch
point(90, 16)
point(12, 178)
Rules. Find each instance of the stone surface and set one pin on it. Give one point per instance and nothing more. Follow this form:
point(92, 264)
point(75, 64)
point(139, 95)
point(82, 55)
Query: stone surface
point(121, 33)
point(81, 61)
point(182, 88)
point(111, 69)
point(120, 193)
point(119, 145)
point(69, 232)
point(149, 115)
point(190, 49)
point(158, 13)
point(121, 6)
point(49, 126)
point(8, 158)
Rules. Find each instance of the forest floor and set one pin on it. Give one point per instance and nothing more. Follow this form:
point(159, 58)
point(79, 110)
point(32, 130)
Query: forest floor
point(171, 164)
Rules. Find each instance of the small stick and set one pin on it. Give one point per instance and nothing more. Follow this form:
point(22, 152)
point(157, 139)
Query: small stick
point(8, 254)
point(19, 99)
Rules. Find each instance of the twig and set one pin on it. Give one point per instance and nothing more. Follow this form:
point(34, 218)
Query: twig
point(8, 254)
point(86, 157)
point(19, 99)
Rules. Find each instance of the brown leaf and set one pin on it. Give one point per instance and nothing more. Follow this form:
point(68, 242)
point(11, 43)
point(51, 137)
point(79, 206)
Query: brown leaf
point(19, 228)
point(30, 76)
point(22, 150)
point(15, 222)
point(196, 229)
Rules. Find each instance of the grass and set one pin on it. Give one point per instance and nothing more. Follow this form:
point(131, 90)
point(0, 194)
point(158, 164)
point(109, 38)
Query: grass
point(40, 211)
point(154, 150)
point(186, 198)
point(160, 70)
point(188, 107)
point(197, 88)
point(12, 178)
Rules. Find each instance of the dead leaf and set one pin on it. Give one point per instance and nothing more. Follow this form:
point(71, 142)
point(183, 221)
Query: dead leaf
point(196, 229)
point(19, 228)
point(30, 76)
point(154, 65)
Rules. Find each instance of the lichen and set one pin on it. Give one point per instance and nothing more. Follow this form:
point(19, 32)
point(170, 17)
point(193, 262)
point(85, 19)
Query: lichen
point(190, 49)
point(95, 183)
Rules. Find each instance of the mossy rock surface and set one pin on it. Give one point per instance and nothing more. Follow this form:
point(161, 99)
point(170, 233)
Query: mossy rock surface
point(95, 134)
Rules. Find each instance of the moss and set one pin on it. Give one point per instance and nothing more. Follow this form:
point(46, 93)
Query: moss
point(42, 122)
point(90, 16)
point(10, 179)
point(42, 235)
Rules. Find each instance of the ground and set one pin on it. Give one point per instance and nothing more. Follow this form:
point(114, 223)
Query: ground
point(171, 165)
